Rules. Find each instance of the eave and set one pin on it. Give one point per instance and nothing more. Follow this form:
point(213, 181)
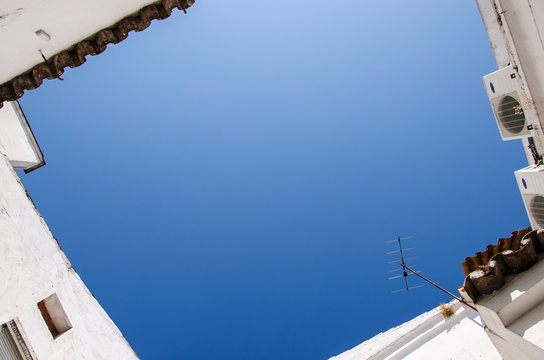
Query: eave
point(52, 63)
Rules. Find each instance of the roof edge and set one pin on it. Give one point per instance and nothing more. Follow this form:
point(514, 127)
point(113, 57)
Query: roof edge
point(74, 56)
point(486, 272)
point(381, 345)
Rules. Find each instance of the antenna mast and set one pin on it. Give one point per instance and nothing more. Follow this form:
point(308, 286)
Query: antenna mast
point(409, 271)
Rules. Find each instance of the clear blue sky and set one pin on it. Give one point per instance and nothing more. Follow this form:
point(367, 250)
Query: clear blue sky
point(224, 181)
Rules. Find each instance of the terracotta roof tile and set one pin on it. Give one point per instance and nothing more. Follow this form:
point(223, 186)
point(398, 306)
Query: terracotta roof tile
point(485, 272)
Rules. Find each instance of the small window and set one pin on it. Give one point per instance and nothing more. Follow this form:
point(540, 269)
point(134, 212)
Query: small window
point(12, 345)
point(54, 315)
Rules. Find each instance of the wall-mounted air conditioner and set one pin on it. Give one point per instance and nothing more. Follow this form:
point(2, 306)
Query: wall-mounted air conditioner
point(514, 110)
point(531, 185)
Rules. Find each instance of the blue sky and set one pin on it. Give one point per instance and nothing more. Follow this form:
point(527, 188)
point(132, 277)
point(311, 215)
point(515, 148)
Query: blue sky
point(224, 181)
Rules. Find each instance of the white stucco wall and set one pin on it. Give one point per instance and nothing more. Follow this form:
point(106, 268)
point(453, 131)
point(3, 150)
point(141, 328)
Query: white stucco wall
point(531, 325)
point(430, 336)
point(523, 26)
point(514, 314)
point(32, 267)
point(515, 29)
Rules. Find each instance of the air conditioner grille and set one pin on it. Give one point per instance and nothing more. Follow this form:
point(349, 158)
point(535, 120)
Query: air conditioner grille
point(511, 116)
point(537, 210)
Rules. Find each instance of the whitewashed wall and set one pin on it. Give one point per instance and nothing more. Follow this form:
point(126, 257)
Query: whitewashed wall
point(32, 267)
point(430, 336)
point(515, 29)
point(514, 315)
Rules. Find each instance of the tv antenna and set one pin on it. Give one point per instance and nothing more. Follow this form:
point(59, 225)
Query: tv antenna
point(408, 270)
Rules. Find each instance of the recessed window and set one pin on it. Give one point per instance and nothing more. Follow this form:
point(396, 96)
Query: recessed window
point(12, 345)
point(54, 315)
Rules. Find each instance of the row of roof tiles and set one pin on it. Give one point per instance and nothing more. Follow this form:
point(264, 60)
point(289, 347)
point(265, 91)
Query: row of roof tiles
point(54, 67)
point(486, 271)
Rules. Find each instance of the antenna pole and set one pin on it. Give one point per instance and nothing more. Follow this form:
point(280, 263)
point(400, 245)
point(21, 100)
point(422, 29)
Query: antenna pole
point(437, 286)
point(405, 275)
point(402, 263)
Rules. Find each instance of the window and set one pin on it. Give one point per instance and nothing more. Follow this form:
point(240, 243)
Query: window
point(54, 315)
point(12, 345)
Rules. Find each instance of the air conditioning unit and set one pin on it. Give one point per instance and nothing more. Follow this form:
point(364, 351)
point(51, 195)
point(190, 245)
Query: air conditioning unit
point(514, 110)
point(531, 185)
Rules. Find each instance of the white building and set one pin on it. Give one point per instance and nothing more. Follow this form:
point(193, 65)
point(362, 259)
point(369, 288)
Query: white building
point(516, 32)
point(505, 283)
point(430, 336)
point(46, 312)
point(39, 39)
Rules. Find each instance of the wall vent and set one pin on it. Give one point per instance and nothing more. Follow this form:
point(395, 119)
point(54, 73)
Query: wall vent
point(54, 315)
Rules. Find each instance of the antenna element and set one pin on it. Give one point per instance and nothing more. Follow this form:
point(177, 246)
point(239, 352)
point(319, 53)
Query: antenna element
point(406, 271)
